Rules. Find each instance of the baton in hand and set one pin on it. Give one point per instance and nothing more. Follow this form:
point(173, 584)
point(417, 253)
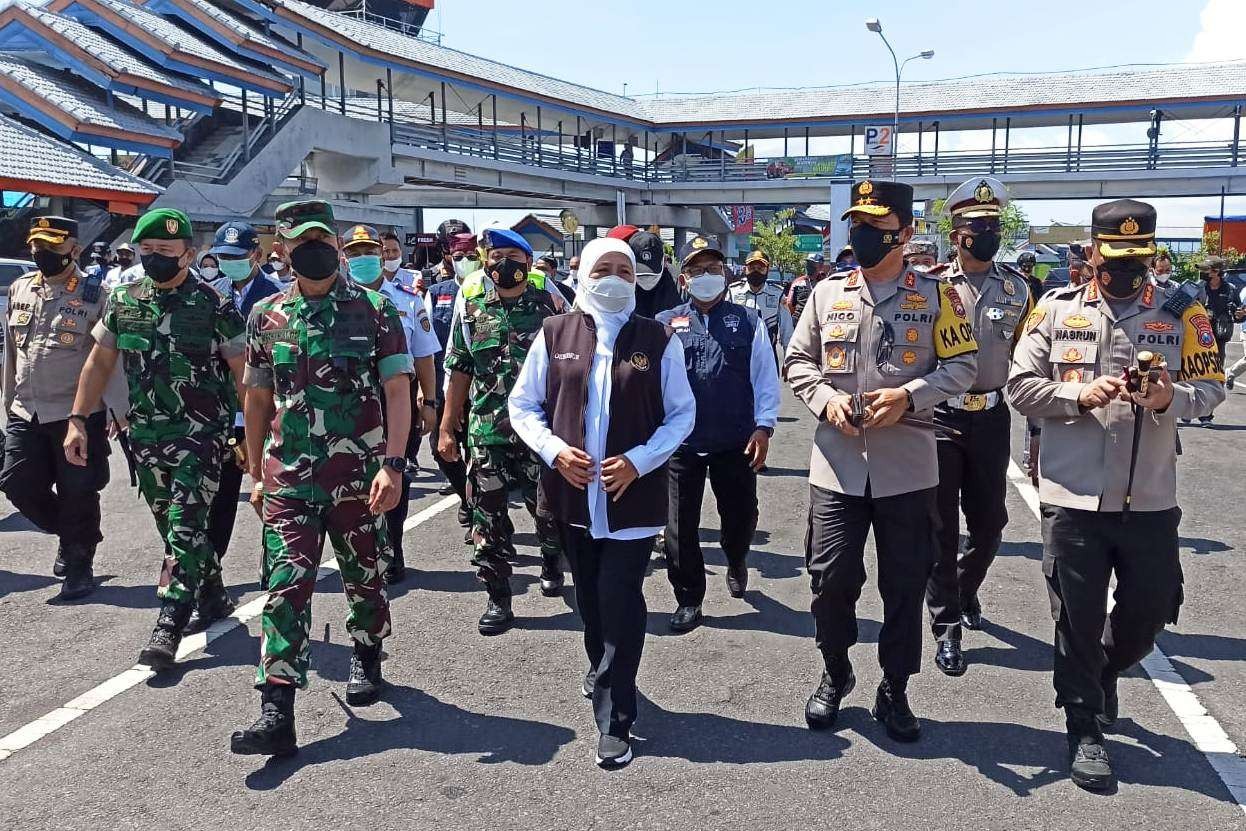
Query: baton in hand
point(1137, 379)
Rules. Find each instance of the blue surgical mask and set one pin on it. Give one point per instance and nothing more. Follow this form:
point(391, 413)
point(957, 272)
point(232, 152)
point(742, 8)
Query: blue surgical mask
point(365, 269)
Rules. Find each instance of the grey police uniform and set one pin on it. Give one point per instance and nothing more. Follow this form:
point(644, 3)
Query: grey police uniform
point(854, 336)
point(47, 341)
point(768, 303)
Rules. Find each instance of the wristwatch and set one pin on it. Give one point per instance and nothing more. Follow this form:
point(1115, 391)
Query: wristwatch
point(397, 463)
point(78, 417)
point(769, 431)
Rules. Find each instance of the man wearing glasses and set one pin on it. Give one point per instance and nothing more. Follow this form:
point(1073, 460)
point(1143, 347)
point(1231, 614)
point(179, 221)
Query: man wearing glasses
point(871, 357)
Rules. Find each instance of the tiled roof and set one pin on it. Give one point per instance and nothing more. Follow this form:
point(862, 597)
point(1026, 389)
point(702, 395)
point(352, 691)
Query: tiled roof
point(405, 48)
point(33, 156)
point(998, 92)
point(181, 40)
point(84, 102)
point(250, 33)
point(118, 59)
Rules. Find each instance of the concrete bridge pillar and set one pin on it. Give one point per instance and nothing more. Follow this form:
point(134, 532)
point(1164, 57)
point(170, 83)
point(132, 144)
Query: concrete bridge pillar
point(681, 239)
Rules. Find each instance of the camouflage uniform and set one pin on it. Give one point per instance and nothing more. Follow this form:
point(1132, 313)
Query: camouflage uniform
point(490, 345)
point(174, 345)
point(325, 360)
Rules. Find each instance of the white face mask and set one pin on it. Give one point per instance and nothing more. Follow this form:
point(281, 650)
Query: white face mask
point(573, 275)
point(278, 265)
point(1162, 278)
point(648, 282)
point(392, 265)
point(464, 267)
point(707, 287)
point(209, 272)
point(610, 294)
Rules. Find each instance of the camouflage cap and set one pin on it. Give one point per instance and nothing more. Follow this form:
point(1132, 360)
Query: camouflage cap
point(162, 223)
point(297, 218)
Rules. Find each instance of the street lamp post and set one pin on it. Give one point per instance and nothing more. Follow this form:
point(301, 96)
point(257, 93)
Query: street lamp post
point(875, 26)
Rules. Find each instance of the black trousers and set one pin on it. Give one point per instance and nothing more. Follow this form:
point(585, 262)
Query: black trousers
point(396, 517)
point(60, 498)
point(973, 477)
point(224, 510)
point(735, 489)
point(1081, 550)
point(904, 534)
point(455, 472)
point(609, 580)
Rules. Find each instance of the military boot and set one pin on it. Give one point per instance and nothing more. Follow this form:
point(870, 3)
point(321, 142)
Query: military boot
point(822, 708)
point(273, 734)
point(1089, 767)
point(498, 616)
point(59, 565)
point(891, 707)
point(79, 576)
point(161, 651)
point(214, 604)
point(365, 684)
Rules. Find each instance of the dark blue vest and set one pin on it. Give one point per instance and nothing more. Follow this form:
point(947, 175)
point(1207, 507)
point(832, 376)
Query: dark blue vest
point(718, 350)
point(442, 295)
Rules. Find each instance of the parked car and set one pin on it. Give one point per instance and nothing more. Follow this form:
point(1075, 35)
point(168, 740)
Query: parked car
point(1055, 278)
point(10, 270)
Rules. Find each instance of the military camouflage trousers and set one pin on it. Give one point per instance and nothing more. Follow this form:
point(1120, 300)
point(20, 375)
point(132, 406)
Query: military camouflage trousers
point(495, 471)
point(179, 486)
point(294, 532)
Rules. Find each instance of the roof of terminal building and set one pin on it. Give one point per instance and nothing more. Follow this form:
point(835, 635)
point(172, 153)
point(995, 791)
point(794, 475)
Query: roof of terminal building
point(240, 29)
point(84, 103)
point(32, 156)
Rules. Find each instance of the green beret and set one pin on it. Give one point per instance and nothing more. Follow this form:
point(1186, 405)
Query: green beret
point(162, 223)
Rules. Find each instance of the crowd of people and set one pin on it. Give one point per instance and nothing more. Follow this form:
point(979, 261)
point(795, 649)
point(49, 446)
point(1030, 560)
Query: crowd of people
point(607, 400)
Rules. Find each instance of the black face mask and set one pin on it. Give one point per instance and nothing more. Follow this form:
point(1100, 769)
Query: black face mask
point(872, 245)
point(51, 263)
point(1122, 278)
point(982, 247)
point(508, 274)
point(161, 267)
point(755, 279)
point(315, 260)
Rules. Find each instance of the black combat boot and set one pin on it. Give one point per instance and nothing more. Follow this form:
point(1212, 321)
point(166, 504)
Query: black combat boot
point(498, 616)
point(365, 684)
point(79, 576)
point(822, 708)
point(1088, 759)
point(214, 604)
point(273, 734)
point(59, 565)
point(161, 651)
point(891, 707)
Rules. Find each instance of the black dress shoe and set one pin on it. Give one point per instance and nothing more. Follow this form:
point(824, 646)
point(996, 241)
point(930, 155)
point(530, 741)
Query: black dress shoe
point(498, 616)
point(214, 604)
point(59, 565)
point(161, 650)
point(397, 571)
point(822, 708)
point(949, 659)
point(971, 613)
point(891, 707)
point(465, 517)
point(365, 684)
point(1111, 703)
point(551, 584)
point(685, 619)
point(590, 684)
point(446, 489)
point(613, 752)
point(273, 734)
point(737, 580)
point(1089, 767)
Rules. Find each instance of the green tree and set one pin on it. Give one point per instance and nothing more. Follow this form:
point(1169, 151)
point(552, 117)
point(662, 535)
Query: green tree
point(1185, 266)
point(777, 240)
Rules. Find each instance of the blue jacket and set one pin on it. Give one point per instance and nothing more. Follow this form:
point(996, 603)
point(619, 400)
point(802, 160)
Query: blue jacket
point(718, 356)
point(262, 286)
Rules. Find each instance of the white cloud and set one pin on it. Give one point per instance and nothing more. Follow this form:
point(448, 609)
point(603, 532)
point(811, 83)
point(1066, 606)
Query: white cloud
point(1221, 36)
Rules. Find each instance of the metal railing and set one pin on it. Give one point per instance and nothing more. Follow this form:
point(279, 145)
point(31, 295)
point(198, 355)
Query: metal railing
point(254, 135)
point(406, 27)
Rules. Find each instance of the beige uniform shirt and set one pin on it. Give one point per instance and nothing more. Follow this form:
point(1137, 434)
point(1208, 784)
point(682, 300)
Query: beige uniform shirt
point(1000, 308)
point(1073, 337)
point(47, 340)
point(840, 347)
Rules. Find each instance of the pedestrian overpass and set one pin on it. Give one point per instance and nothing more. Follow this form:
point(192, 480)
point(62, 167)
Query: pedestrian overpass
point(227, 106)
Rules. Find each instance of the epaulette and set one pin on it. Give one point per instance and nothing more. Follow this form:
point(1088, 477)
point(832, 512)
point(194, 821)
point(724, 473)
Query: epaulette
point(939, 271)
point(91, 287)
point(839, 275)
point(734, 283)
point(1068, 290)
point(1010, 269)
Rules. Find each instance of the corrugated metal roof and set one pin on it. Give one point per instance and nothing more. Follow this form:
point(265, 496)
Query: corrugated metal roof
point(33, 156)
point(84, 102)
point(115, 57)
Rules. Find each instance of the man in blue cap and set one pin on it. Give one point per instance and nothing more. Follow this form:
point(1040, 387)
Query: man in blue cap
point(236, 248)
point(502, 312)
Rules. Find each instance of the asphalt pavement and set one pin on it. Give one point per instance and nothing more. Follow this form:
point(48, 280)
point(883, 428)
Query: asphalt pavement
point(492, 732)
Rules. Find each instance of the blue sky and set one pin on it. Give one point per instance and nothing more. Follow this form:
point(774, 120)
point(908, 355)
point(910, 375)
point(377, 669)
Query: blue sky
point(701, 47)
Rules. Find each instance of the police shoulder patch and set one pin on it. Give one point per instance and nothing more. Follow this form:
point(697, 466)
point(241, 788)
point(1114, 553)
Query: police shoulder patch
point(1036, 317)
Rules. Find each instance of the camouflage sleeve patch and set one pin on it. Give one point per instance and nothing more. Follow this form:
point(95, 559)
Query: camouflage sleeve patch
point(458, 355)
point(1200, 359)
point(259, 367)
point(390, 345)
point(953, 333)
point(231, 329)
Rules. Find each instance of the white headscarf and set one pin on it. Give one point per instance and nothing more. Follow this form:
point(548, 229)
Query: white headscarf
point(608, 323)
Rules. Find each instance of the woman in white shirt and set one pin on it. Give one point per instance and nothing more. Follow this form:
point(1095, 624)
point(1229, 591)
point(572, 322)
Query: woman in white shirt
point(603, 399)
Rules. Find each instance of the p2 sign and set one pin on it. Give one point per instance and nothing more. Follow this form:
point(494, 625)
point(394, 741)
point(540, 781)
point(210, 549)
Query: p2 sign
point(878, 140)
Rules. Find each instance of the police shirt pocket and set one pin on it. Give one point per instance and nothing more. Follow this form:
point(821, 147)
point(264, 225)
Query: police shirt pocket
point(839, 348)
point(19, 328)
point(133, 342)
point(1074, 362)
point(1005, 320)
point(908, 361)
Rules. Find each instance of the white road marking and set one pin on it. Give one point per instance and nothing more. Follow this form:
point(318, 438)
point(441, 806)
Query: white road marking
point(1203, 729)
point(45, 725)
